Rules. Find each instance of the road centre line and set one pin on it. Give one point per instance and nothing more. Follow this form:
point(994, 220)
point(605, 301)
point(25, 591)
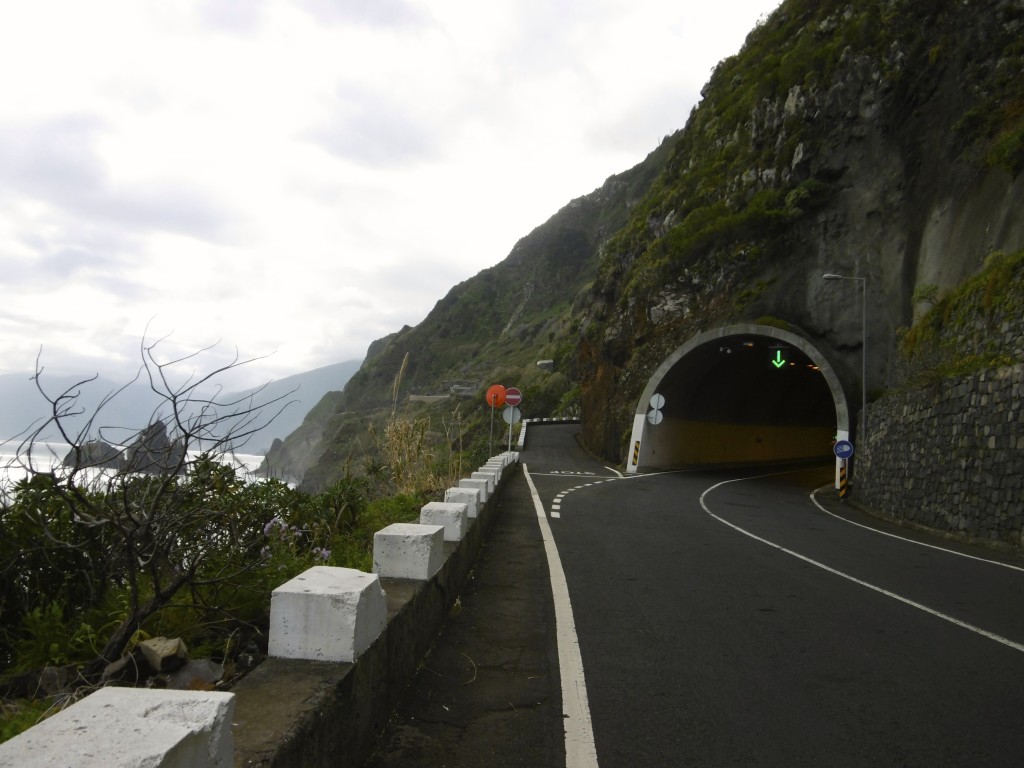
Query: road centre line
point(910, 541)
point(567, 474)
point(978, 630)
point(580, 750)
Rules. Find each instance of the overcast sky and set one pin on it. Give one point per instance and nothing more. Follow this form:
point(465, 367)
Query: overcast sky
point(296, 178)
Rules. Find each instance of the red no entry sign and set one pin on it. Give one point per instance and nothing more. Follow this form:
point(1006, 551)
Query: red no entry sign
point(513, 396)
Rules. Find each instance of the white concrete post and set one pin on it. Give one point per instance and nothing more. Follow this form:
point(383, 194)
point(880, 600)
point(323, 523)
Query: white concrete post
point(468, 496)
point(489, 477)
point(131, 728)
point(480, 485)
point(408, 551)
point(327, 614)
point(453, 517)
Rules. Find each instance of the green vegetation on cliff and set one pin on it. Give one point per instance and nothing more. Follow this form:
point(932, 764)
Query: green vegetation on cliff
point(971, 328)
point(751, 161)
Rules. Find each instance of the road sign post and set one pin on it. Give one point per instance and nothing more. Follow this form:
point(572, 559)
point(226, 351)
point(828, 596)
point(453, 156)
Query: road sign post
point(511, 415)
point(495, 398)
point(655, 416)
point(843, 449)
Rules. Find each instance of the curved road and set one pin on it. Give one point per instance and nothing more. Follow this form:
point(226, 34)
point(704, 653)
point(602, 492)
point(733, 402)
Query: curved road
point(731, 620)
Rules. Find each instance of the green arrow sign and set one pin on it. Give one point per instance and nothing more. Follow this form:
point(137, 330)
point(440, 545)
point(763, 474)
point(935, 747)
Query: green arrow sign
point(778, 362)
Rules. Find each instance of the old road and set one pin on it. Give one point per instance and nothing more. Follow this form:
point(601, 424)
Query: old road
point(715, 619)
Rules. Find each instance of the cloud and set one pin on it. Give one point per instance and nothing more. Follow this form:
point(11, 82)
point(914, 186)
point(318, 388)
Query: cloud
point(56, 162)
point(301, 177)
point(233, 16)
point(374, 129)
point(52, 159)
point(389, 13)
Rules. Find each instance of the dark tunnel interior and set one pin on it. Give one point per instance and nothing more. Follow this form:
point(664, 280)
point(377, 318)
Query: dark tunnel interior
point(743, 399)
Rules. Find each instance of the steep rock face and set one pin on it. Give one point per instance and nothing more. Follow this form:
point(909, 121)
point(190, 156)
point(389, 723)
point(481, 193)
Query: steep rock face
point(94, 453)
point(843, 138)
point(154, 452)
point(289, 459)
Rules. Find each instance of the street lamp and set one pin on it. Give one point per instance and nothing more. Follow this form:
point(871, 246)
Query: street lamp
point(863, 347)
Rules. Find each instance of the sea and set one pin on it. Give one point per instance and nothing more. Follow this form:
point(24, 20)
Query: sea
point(46, 456)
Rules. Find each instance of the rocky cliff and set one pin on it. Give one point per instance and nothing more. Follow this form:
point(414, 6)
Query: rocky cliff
point(882, 139)
point(878, 139)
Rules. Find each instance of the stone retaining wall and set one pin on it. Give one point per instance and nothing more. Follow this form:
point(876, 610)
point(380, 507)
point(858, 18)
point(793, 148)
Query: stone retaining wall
point(951, 459)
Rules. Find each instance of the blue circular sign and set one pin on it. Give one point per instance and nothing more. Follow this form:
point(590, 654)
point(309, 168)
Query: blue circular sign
point(843, 449)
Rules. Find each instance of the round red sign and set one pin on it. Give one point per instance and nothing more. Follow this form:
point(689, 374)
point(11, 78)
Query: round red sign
point(513, 396)
point(495, 396)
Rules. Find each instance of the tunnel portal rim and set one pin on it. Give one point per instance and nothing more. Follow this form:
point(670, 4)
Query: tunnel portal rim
point(752, 329)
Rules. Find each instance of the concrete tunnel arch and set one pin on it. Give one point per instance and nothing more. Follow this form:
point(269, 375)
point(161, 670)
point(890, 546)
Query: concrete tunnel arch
point(728, 401)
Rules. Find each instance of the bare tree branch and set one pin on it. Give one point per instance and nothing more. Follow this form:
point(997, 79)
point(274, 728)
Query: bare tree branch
point(149, 518)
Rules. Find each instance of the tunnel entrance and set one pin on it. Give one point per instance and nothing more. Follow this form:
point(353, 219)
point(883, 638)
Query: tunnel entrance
point(737, 395)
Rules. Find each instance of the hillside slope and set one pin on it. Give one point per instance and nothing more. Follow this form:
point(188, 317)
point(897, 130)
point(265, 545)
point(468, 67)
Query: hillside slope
point(882, 138)
point(491, 328)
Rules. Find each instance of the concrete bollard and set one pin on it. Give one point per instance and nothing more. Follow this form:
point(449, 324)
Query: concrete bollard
point(408, 551)
point(327, 614)
point(489, 477)
point(498, 468)
point(480, 485)
point(453, 517)
point(468, 496)
point(131, 728)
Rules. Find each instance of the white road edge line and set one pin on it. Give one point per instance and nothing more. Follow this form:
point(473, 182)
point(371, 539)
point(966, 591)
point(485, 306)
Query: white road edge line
point(580, 750)
point(978, 630)
point(903, 538)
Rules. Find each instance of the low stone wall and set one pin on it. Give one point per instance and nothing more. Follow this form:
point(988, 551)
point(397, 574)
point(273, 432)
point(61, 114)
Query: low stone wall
point(950, 459)
point(294, 713)
point(294, 710)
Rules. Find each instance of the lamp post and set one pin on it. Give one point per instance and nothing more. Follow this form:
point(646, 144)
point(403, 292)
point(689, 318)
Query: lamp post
point(863, 347)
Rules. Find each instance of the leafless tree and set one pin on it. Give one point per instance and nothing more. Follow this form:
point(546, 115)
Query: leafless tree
point(155, 518)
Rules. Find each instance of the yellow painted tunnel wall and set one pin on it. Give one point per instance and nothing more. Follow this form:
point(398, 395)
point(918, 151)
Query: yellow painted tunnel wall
point(684, 443)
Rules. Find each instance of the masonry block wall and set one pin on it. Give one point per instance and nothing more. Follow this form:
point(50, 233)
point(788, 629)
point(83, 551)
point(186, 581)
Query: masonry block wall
point(950, 457)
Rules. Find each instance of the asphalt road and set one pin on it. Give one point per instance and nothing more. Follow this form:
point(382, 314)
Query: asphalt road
point(721, 622)
point(727, 622)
